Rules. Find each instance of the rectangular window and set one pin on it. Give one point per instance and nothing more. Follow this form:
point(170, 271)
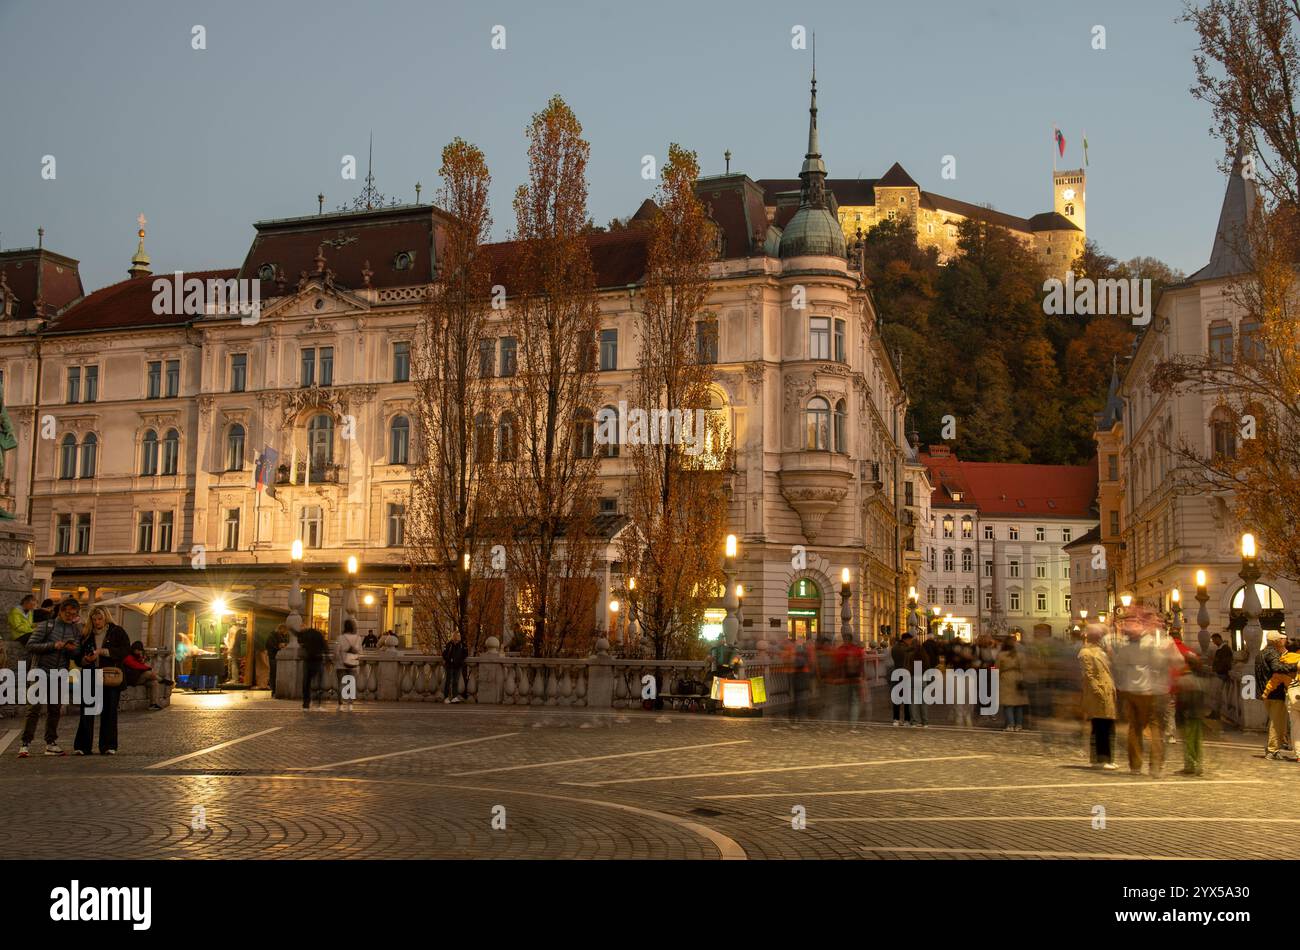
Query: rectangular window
point(63, 535)
point(309, 526)
point(232, 529)
point(1042, 601)
point(1112, 468)
point(988, 532)
point(909, 497)
point(967, 528)
point(165, 530)
point(327, 366)
point(155, 380)
point(1040, 534)
point(1013, 601)
point(396, 525)
point(238, 372)
point(988, 600)
point(1013, 568)
point(1040, 569)
point(819, 338)
point(1221, 342)
point(947, 560)
point(949, 595)
point(608, 350)
point(401, 362)
point(487, 356)
point(144, 533)
point(988, 568)
point(92, 384)
point(1066, 535)
point(74, 384)
point(83, 534)
point(968, 596)
point(1066, 568)
point(1013, 533)
point(967, 561)
point(1068, 601)
point(706, 341)
point(308, 375)
point(841, 351)
point(1114, 522)
point(173, 378)
point(509, 356)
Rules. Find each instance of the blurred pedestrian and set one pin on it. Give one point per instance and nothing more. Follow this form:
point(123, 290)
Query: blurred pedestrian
point(1142, 673)
point(347, 662)
point(794, 662)
point(454, 655)
point(1011, 686)
point(900, 658)
point(311, 645)
point(1193, 706)
point(963, 659)
point(1222, 660)
point(276, 641)
point(1098, 697)
point(850, 664)
point(1268, 664)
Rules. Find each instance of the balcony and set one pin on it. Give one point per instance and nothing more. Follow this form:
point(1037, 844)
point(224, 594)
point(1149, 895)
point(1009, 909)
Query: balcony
point(327, 473)
point(814, 484)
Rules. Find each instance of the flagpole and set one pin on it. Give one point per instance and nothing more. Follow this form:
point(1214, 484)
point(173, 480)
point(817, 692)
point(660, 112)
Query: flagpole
point(1055, 147)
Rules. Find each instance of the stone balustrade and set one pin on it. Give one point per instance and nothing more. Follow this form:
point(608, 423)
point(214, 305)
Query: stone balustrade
point(134, 698)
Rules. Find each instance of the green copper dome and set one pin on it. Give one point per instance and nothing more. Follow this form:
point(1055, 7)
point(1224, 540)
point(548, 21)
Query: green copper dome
point(812, 231)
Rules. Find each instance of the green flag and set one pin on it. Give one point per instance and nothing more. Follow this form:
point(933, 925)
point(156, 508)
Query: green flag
point(1085, 149)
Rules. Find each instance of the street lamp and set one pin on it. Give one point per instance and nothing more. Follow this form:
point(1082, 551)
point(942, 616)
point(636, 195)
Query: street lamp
point(350, 592)
point(613, 620)
point(846, 612)
point(913, 613)
point(929, 625)
point(1203, 614)
point(1252, 634)
point(730, 623)
point(1176, 610)
point(294, 620)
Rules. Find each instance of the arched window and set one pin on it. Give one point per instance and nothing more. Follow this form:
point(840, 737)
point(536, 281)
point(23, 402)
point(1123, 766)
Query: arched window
point(818, 417)
point(171, 452)
point(607, 432)
point(149, 453)
point(584, 434)
point(483, 437)
point(841, 427)
point(68, 456)
point(1223, 433)
point(506, 437)
point(235, 448)
point(89, 448)
point(320, 442)
point(399, 440)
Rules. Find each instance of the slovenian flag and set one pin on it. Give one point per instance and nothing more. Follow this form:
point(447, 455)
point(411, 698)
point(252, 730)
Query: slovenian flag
point(1060, 141)
point(265, 470)
point(1085, 148)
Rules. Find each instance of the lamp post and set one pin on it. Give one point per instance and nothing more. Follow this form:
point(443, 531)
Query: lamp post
point(740, 605)
point(1203, 614)
point(846, 612)
point(934, 618)
point(294, 620)
point(730, 623)
point(613, 620)
point(350, 592)
point(1176, 613)
point(913, 613)
point(633, 625)
point(1252, 634)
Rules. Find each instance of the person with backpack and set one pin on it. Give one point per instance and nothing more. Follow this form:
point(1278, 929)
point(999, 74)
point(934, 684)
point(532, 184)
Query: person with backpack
point(850, 663)
point(312, 644)
point(51, 646)
point(454, 655)
point(347, 660)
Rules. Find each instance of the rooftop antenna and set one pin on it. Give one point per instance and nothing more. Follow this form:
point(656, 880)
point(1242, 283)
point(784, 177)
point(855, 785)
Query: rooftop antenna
point(417, 192)
point(40, 238)
point(727, 156)
point(370, 175)
point(320, 203)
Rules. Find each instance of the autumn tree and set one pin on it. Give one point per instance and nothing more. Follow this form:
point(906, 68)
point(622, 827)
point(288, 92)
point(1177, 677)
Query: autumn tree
point(445, 521)
point(545, 474)
point(676, 500)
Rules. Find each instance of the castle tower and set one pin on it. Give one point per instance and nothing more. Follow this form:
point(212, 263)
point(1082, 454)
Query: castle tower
point(1068, 196)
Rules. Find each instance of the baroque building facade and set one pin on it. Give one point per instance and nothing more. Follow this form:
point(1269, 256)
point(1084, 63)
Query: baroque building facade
point(198, 447)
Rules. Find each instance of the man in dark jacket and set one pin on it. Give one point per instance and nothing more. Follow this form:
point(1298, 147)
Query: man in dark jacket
point(312, 644)
point(1267, 663)
point(1222, 659)
point(901, 655)
point(51, 645)
point(454, 655)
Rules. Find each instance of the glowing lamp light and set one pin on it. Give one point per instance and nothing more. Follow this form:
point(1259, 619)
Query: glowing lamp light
point(352, 564)
point(1083, 613)
point(735, 694)
point(935, 608)
point(731, 545)
point(295, 553)
point(1200, 578)
point(465, 561)
point(844, 577)
point(368, 600)
point(1176, 595)
point(1248, 545)
point(219, 606)
point(740, 590)
point(631, 583)
point(613, 606)
point(911, 593)
point(1101, 617)
point(1126, 600)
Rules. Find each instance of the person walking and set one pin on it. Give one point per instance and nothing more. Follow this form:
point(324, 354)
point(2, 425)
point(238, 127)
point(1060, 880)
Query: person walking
point(454, 655)
point(850, 666)
point(927, 656)
point(1143, 668)
point(900, 658)
point(794, 661)
point(51, 645)
point(1192, 697)
point(348, 661)
point(1011, 686)
point(963, 659)
point(1268, 664)
point(1098, 697)
point(311, 642)
point(276, 641)
point(104, 646)
point(1222, 660)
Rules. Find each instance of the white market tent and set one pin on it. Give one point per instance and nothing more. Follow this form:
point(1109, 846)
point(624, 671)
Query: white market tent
point(170, 594)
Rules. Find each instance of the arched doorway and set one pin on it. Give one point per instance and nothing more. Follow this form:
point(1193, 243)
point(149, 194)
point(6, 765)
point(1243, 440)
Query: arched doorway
point(804, 609)
point(1271, 615)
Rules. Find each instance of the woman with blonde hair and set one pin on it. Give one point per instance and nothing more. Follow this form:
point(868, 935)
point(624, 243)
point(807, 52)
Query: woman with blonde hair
point(104, 647)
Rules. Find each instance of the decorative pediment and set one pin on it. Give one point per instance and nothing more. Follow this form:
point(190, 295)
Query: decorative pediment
point(160, 420)
point(240, 414)
point(319, 300)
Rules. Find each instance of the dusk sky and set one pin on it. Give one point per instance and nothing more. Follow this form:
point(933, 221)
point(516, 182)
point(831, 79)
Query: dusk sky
point(205, 142)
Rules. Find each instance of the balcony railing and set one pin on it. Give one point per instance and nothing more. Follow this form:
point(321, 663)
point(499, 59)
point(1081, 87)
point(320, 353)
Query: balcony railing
point(326, 473)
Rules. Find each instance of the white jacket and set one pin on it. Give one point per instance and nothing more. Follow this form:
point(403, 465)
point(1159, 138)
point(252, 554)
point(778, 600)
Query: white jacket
point(348, 650)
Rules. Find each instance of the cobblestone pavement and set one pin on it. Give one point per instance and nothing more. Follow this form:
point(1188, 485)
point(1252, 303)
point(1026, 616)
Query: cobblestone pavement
point(242, 776)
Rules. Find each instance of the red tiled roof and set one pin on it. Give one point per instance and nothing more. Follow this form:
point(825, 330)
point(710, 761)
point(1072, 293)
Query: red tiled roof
point(126, 304)
point(1011, 489)
point(897, 178)
point(618, 258)
point(58, 277)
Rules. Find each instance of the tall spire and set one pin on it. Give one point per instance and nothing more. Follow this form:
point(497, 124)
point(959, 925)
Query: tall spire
point(813, 173)
point(140, 263)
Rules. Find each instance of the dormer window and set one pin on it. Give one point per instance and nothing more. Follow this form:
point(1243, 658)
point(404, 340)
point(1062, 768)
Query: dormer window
point(956, 496)
point(403, 260)
point(266, 272)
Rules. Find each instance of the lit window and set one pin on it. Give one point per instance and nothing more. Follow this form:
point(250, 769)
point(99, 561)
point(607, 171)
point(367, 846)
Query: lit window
point(818, 419)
